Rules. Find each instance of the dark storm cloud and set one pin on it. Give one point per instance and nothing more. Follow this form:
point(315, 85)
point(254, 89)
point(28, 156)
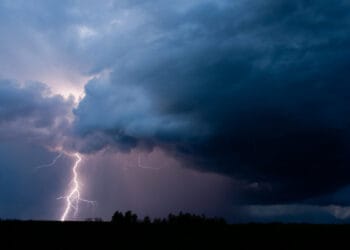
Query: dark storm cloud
point(257, 90)
point(30, 112)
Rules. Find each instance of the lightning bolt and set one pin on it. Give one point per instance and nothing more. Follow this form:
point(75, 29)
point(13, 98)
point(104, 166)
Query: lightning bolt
point(73, 197)
point(140, 165)
point(51, 163)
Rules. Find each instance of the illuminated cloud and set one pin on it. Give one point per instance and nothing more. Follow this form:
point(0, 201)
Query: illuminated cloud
point(30, 112)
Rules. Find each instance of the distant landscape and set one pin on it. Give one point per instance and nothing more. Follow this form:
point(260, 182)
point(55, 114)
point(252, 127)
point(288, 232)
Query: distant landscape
point(231, 115)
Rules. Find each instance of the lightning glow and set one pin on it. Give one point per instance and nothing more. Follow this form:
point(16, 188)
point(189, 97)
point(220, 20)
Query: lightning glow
point(73, 198)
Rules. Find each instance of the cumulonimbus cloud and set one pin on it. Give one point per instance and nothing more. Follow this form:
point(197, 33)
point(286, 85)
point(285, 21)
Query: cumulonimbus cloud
point(260, 96)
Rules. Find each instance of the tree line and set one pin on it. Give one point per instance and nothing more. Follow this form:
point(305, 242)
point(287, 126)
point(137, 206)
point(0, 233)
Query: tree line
point(130, 218)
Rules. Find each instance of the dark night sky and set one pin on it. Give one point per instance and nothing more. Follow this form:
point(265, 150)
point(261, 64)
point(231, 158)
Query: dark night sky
point(237, 108)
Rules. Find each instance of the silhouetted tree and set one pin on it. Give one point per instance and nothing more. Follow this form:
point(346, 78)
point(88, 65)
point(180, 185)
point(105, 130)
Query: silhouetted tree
point(147, 220)
point(130, 218)
point(118, 218)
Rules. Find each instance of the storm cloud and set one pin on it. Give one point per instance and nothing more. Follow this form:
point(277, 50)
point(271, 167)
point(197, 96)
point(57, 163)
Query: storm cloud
point(256, 90)
point(30, 112)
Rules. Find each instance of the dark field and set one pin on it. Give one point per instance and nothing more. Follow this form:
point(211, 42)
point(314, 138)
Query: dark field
point(105, 235)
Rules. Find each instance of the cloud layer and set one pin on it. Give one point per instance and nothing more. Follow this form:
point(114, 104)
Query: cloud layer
point(260, 96)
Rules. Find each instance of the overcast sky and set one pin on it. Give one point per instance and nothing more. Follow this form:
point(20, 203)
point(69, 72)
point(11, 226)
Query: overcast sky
point(237, 109)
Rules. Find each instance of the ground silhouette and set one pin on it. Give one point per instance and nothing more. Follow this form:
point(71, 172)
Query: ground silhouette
point(183, 230)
